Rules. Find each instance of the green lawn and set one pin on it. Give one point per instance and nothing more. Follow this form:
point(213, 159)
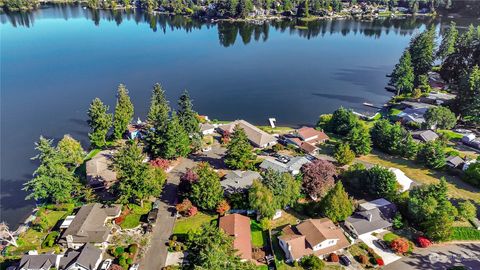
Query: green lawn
point(184, 225)
point(92, 153)
point(451, 135)
point(277, 130)
point(465, 233)
point(259, 236)
point(389, 237)
point(132, 220)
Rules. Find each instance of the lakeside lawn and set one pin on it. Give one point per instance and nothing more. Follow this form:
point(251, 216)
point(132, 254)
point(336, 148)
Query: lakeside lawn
point(259, 236)
point(184, 225)
point(456, 187)
point(277, 130)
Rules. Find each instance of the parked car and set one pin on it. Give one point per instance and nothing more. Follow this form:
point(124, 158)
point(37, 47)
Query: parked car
point(134, 266)
point(106, 264)
point(152, 216)
point(381, 244)
point(344, 260)
point(156, 204)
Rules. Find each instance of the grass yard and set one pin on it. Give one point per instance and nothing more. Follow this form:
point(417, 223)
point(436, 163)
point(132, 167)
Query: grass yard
point(276, 130)
point(184, 225)
point(465, 233)
point(451, 135)
point(456, 187)
point(132, 220)
point(259, 236)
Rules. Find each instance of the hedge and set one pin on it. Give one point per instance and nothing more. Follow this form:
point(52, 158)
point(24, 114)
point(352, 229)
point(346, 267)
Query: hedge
point(465, 233)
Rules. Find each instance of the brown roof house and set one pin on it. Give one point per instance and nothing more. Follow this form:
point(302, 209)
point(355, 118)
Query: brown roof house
point(307, 139)
point(99, 172)
point(238, 226)
point(319, 237)
point(256, 136)
point(88, 226)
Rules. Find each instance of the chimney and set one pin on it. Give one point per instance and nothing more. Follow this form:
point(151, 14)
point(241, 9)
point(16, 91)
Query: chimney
point(369, 217)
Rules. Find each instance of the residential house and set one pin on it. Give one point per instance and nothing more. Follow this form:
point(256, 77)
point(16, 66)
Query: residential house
point(307, 139)
point(410, 115)
point(471, 140)
point(403, 181)
point(207, 128)
point(293, 165)
point(371, 217)
point(455, 162)
point(437, 98)
point(238, 181)
point(88, 258)
point(425, 135)
point(100, 174)
point(256, 136)
point(88, 226)
point(319, 237)
point(238, 226)
point(39, 262)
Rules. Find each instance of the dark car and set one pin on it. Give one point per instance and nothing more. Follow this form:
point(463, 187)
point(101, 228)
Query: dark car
point(344, 260)
point(152, 216)
point(381, 244)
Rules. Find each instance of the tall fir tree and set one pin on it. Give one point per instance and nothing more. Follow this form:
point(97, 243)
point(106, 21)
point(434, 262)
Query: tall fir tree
point(123, 112)
point(447, 46)
point(403, 76)
point(186, 115)
point(175, 142)
point(359, 139)
point(470, 90)
point(422, 52)
point(100, 122)
point(336, 205)
point(239, 151)
point(157, 120)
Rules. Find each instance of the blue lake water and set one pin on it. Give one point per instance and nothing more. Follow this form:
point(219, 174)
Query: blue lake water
point(55, 60)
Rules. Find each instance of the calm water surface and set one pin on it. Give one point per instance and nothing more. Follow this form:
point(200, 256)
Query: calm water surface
point(56, 60)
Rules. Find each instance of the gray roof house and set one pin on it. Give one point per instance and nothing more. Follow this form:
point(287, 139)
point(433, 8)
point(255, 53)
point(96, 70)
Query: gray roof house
point(88, 226)
point(87, 259)
point(454, 161)
point(292, 166)
point(415, 115)
point(238, 181)
point(38, 262)
point(371, 216)
point(99, 172)
point(256, 136)
point(425, 135)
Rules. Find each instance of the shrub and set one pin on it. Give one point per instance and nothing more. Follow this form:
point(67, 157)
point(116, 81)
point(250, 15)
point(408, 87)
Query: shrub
point(118, 251)
point(192, 211)
point(277, 147)
point(400, 245)
point(312, 262)
point(363, 259)
point(223, 207)
point(184, 207)
point(50, 239)
point(160, 163)
point(115, 267)
point(129, 261)
point(334, 257)
point(423, 242)
point(389, 237)
point(132, 249)
point(380, 261)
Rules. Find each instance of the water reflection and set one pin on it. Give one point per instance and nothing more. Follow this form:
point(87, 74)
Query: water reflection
point(228, 32)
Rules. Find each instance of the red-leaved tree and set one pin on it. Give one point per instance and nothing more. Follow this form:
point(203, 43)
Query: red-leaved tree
point(225, 137)
point(334, 257)
point(186, 181)
point(399, 245)
point(318, 178)
point(223, 207)
point(184, 207)
point(423, 242)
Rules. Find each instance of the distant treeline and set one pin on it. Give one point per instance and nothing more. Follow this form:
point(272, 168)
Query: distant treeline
point(255, 8)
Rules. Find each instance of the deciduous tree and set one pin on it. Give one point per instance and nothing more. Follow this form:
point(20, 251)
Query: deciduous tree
point(432, 154)
point(359, 139)
point(336, 205)
point(318, 178)
point(262, 200)
point(440, 117)
point(381, 182)
point(284, 187)
point(207, 192)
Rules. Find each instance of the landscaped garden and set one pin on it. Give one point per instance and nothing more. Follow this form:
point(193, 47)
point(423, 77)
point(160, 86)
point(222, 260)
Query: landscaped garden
point(132, 214)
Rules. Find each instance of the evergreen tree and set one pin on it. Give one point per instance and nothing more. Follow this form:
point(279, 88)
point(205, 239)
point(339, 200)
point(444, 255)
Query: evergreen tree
point(440, 117)
point(284, 187)
point(343, 154)
point(262, 200)
point(432, 154)
point(402, 76)
point(52, 182)
point(187, 116)
point(175, 142)
point(422, 52)
point(244, 8)
point(70, 151)
point(206, 192)
point(336, 205)
point(449, 39)
point(239, 151)
point(157, 120)
point(359, 139)
point(100, 122)
point(123, 112)
point(471, 94)
point(342, 121)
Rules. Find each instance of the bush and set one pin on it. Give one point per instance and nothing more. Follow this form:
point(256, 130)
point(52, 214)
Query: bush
point(363, 259)
point(389, 237)
point(160, 163)
point(400, 245)
point(379, 261)
point(334, 257)
point(129, 261)
point(423, 242)
point(132, 249)
point(50, 239)
point(192, 211)
point(312, 262)
point(118, 251)
point(465, 233)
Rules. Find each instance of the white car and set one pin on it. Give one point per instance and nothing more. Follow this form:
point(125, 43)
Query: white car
point(106, 264)
point(134, 266)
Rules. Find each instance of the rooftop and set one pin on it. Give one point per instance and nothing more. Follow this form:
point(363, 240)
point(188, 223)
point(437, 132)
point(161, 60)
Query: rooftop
point(238, 226)
point(256, 136)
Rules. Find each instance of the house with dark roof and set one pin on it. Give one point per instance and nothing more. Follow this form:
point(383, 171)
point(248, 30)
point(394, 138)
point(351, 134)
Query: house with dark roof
point(319, 237)
point(238, 181)
point(88, 226)
point(256, 136)
point(88, 258)
point(293, 165)
point(425, 135)
point(371, 216)
point(39, 262)
point(455, 162)
point(238, 226)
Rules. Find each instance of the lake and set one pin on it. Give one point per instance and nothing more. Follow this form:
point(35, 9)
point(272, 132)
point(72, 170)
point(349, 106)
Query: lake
point(55, 60)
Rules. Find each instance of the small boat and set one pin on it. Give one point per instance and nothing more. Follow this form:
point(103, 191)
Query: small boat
point(390, 88)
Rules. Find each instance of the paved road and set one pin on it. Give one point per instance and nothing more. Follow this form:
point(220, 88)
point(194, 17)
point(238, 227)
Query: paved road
point(156, 255)
point(440, 257)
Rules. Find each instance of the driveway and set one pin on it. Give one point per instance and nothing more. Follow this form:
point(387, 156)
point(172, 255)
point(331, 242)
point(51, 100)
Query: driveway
point(387, 256)
point(440, 257)
point(156, 255)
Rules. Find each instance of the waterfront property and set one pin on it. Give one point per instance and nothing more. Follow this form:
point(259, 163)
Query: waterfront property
point(307, 139)
point(286, 164)
point(100, 174)
point(319, 237)
point(88, 226)
point(256, 136)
